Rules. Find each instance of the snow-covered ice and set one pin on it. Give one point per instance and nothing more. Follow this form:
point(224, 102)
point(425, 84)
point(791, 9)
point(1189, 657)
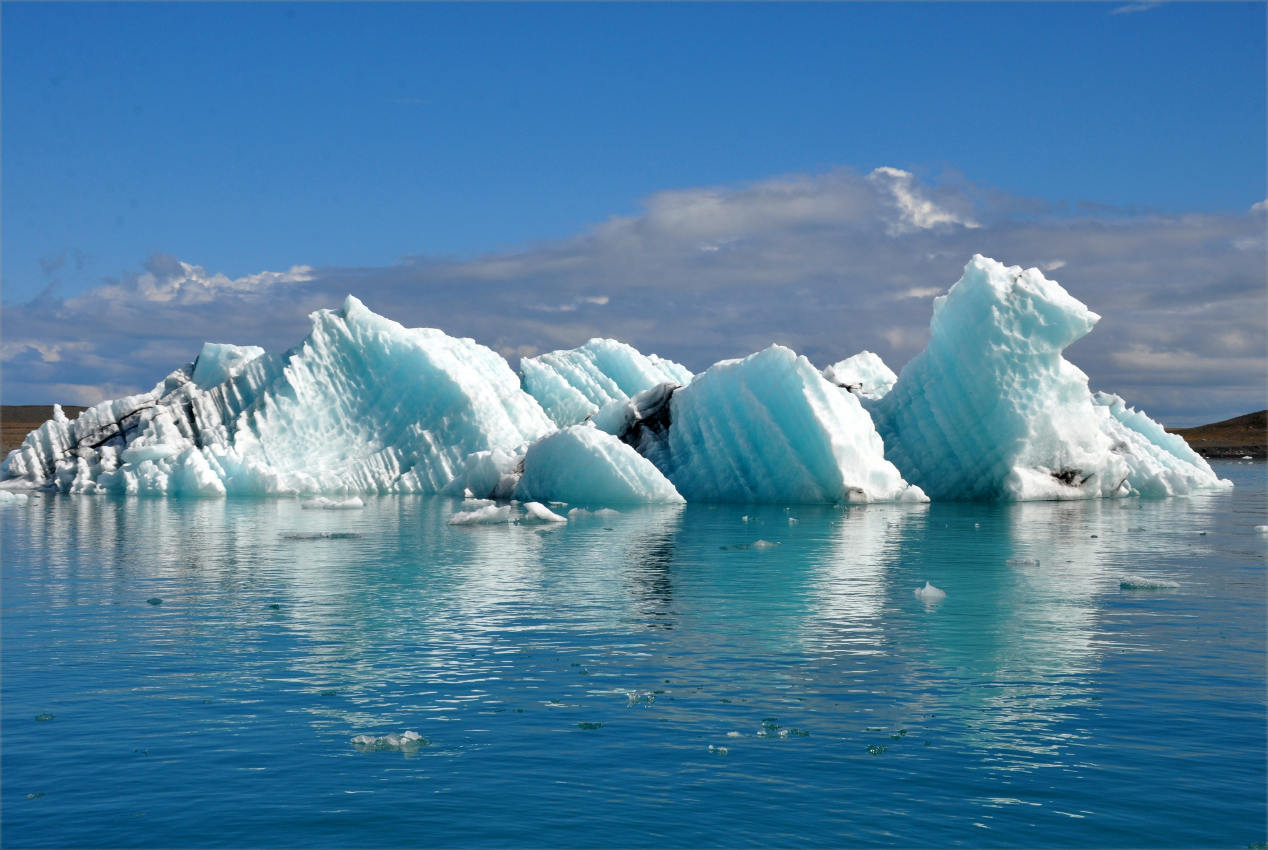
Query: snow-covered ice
point(321, 503)
point(864, 373)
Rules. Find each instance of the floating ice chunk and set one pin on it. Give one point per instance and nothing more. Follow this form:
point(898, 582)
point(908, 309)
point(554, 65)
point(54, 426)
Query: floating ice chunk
point(990, 409)
point(929, 593)
point(582, 513)
point(581, 464)
point(218, 362)
point(770, 428)
point(571, 385)
point(321, 503)
point(1022, 562)
point(488, 515)
point(718, 751)
point(1262, 529)
point(864, 374)
point(756, 544)
point(537, 512)
point(1144, 583)
point(9, 497)
point(406, 741)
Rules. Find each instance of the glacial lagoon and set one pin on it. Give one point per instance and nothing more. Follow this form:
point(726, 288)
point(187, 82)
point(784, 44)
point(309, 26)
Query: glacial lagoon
point(243, 672)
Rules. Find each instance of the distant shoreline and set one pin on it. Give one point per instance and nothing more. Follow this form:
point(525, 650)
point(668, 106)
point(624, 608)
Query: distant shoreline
point(1232, 438)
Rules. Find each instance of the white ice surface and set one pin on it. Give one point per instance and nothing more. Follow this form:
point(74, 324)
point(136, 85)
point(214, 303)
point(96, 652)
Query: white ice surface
point(991, 410)
point(573, 384)
point(220, 361)
point(864, 373)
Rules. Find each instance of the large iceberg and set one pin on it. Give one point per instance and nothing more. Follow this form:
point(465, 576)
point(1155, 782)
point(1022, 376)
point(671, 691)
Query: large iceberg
point(574, 384)
point(991, 410)
point(766, 428)
point(363, 405)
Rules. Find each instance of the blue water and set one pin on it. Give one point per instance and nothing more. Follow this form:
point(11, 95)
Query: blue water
point(1038, 704)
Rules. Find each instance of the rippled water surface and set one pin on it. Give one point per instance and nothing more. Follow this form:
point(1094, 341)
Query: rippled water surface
point(181, 673)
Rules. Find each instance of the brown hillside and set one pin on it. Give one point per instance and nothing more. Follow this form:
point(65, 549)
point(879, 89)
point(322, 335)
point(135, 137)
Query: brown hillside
point(1241, 435)
point(18, 420)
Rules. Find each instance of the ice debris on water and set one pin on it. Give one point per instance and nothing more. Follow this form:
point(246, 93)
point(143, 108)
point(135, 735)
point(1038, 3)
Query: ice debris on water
point(929, 593)
point(1262, 529)
point(718, 751)
point(488, 515)
point(641, 697)
point(9, 497)
point(405, 741)
point(1132, 582)
point(990, 409)
point(1022, 562)
point(756, 544)
point(321, 503)
point(320, 535)
point(44, 717)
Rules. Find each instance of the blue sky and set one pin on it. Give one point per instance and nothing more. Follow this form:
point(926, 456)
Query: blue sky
point(378, 138)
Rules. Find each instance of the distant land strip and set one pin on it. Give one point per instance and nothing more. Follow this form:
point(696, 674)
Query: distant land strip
point(1236, 437)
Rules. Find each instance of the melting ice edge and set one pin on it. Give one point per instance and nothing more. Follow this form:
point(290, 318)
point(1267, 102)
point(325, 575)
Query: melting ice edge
point(989, 410)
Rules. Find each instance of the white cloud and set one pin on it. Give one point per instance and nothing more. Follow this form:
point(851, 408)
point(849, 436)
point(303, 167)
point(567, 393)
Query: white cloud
point(830, 264)
point(1260, 207)
point(916, 210)
point(1132, 8)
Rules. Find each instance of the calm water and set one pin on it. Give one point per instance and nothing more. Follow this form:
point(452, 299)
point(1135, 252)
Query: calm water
point(1038, 704)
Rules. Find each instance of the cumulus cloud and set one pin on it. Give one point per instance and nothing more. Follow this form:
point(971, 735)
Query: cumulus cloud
point(827, 264)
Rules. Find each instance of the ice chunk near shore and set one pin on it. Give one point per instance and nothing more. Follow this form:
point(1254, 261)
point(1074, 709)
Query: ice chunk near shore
point(584, 466)
point(573, 384)
point(10, 497)
point(362, 405)
point(765, 428)
point(864, 374)
point(991, 410)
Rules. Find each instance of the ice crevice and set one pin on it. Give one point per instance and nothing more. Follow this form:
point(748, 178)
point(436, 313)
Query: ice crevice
point(989, 410)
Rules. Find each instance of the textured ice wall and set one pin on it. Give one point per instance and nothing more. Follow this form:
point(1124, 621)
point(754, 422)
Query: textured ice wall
point(771, 428)
point(865, 374)
point(573, 384)
point(991, 410)
point(363, 404)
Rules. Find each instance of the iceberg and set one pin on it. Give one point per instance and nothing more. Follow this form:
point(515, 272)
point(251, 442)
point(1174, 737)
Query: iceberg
point(766, 428)
point(362, 405)
point(991, 410)
point(572, 385)
point(584, 466)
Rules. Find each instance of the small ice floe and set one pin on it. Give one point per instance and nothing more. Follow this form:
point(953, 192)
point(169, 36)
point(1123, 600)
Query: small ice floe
point(929, 593)
point(746, 518)
point(792, 520)
point(321, 503)
point(472, 504)
point(1262, 529)
point(406, 741)
point(756, 544)
point(1022, 562)
point(1247, 457)
point(718, 751)
point(582, 513)
point(640, 697)
point(537, 512)
point(1144, 583)
point(487, 515)
point(9, 497)
point(734, 734)
point(320, 535)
